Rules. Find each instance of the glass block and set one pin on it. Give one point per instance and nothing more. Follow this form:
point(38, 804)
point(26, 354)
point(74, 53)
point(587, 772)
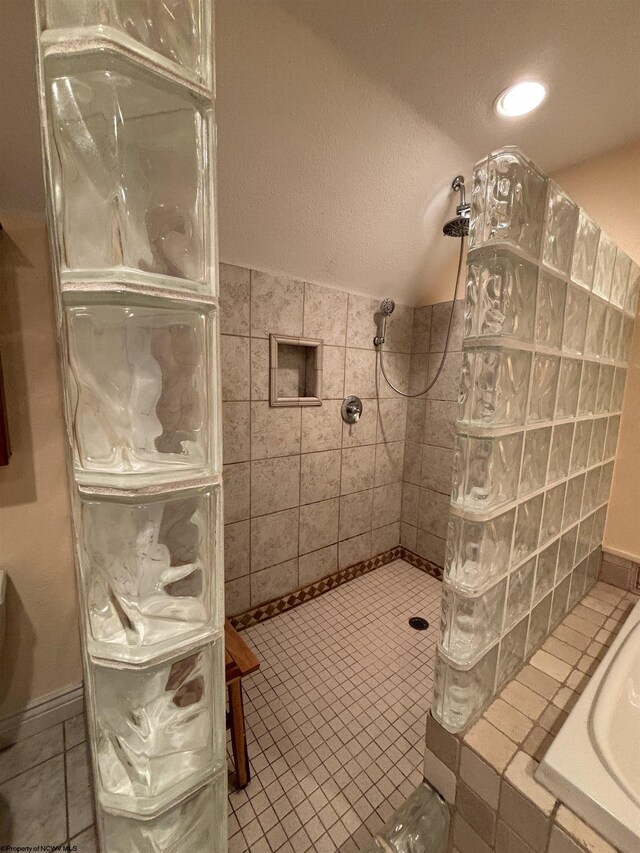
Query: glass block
point(486, 471)
point(566, 555)
point(589, 388)
point(598, 436)
point(617, 392)
point(140, 392)
point(605, 385)
point(568, 387)
point(584, 538)
point(560, 228)
point(465, 389)
point(633, 290)
point(159, 731)
point(573, 501)
point(550, 310)
point(612, 331)
point(581, 441)
point(131, 193)
point(578, 578)
point(621, 270)
point(515, 202)
point(500, 384)
point(506, 295)
point(560, 603)
point(478, 551)
point(585, 250)
point(552, 515)
point(606, 476)
point(146, 568)
point(478, 199)
point(544, 385)
point(461, 693)
point(546, 571)
point(512, 652)
point(605, 260)
point(539, 623)
point(575, 319)
point(178, 30)
point(527, 530)
point(560, 451)
point(611, 440)
point(192, 826)
point(470, 624)
point(534, 460)
point(626, 337)
point(597, 531)
point(595, 327)
point(520, 592)
point(594, 561)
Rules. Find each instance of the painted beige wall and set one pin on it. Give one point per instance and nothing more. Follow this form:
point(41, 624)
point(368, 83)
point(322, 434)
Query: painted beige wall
point(607, 187)
point(42, 649)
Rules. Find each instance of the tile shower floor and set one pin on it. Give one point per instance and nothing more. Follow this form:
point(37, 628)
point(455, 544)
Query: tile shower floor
point(335, 717)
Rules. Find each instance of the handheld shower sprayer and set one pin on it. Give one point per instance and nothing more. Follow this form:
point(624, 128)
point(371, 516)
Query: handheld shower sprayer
point(386, 310)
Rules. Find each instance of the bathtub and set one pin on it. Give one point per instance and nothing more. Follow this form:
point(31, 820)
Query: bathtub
point(593, 765)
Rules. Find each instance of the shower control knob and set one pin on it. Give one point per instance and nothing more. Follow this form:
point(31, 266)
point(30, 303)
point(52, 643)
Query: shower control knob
point(351, 409)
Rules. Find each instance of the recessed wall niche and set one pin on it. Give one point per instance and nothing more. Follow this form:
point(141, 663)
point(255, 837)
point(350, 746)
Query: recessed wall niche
point(295, 375)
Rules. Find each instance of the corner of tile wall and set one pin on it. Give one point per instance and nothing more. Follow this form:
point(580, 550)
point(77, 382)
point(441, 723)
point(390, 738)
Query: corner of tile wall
point(620, 571)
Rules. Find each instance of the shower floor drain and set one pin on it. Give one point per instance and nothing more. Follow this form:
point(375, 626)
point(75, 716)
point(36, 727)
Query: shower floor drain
point(418, 623)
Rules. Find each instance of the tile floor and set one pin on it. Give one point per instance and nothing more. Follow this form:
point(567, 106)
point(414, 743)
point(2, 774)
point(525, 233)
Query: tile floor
point(336, 721)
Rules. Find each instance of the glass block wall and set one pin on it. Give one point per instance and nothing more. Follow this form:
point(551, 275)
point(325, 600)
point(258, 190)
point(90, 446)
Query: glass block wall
point(549, 312)
point(128, 135)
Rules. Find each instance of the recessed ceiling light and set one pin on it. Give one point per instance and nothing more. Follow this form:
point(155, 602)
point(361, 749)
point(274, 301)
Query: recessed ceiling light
point(520, 99)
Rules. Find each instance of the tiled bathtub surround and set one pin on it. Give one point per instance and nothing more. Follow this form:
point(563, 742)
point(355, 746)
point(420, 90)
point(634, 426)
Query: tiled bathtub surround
point(487, 774)
point(548, 318)
point(305, 494)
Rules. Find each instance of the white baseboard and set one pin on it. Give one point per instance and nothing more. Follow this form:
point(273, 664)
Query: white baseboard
point(41, 714)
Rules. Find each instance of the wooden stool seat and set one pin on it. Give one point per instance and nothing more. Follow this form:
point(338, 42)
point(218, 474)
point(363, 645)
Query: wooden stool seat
point(239, 661)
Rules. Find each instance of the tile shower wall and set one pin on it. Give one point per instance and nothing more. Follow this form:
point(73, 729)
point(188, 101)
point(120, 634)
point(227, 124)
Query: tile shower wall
point(306, 494)
point(548, 319)
point(430, 434)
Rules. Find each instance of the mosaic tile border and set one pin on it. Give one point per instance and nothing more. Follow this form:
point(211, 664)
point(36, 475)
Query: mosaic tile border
point(306, 593)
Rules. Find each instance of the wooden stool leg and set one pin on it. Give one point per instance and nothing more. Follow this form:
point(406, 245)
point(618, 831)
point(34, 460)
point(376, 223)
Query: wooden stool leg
point(238, 735)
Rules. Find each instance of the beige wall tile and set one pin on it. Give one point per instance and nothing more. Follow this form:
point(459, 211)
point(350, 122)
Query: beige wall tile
point(399, 329)
point(333, 373)
point(437, 466)
point(325, 314)
point(418, 375)
point(508, 720)
point(320, 476)
point(237, 554)
point(317, 564)
point(360, 373)
point(398, 368)
point(361, 322)
point(389, 462)
point(550, 665)
point(259, 368)
point(421, 329)
point(573, 638)
point(433, 514)
point(355, 514)
point(508, 842)
point(237, 596)
point(619, 576)
point(234, 367)
point(552, 719)
point(234, 300)
point(541, 683)
point(466, 838)
point(443, 744)
point(440, 422)
point(275, 484)
point(447, 385)
point(440, 777)
point(318, 525)
point(559, 842)
point(321, 427)
point(537, 743)
point(385, 538)
point(523, 817)
point(387, 502)
point(415, 420)
point(430, 547)
point(480, 777)
point(358, 464)
point(561, 650)
point(412, 468)
point(520, 773)
point(577, 829)
point(274, 539)
point(524, 699)
point(490, 744)
point(392, 420)
point(410, 501)
point(589, 615)
point(439, 322)
point(408, 536)
point(480, 816)
point(237, 490)
point(274, 582)
point(354, 550)
point(236, 432)
point(274, 432)
point(276, 305)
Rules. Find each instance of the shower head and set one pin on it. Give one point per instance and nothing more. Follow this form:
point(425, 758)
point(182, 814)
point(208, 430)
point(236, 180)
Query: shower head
point(386, 307)
point(459, 225)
